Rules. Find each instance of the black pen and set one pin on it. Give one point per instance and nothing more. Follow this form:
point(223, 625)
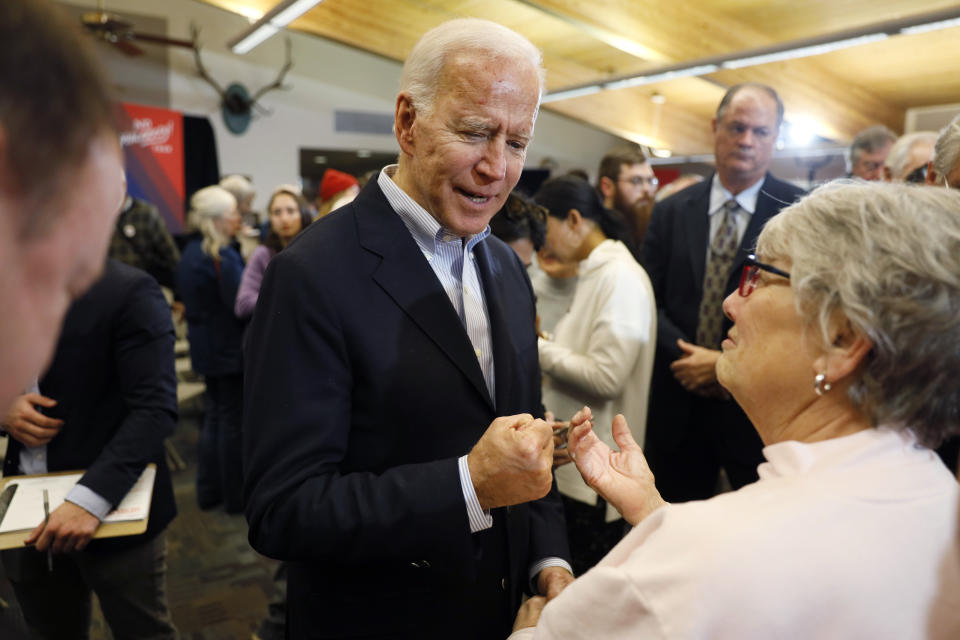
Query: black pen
point(46, 521)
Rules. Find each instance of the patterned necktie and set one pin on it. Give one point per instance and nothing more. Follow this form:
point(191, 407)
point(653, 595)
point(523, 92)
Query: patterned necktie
point(723, 249)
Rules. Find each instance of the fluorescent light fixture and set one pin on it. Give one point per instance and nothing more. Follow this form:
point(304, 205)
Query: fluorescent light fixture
point(271, 22)
point(637, 81)
point(931, 26)
point(803, 52)
point(661, 153)
point(571, 93)
point(820, 45)
point(262, 32)
point(294, 11)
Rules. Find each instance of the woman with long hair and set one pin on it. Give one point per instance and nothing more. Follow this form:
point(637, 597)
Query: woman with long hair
point(601, 353)
point(289, 215)
point(207, 278)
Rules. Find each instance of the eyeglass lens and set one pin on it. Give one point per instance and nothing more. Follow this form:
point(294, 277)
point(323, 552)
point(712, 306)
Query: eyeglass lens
point(639, 180)
point(748, 279)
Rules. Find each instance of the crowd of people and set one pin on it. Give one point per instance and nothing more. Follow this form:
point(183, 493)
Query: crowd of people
point(711, 408)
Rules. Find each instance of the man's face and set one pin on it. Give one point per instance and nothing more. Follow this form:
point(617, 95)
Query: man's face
point(467, 155)
point(635, 185)
point(745, 137)
point(45, 273)
point(869, 166)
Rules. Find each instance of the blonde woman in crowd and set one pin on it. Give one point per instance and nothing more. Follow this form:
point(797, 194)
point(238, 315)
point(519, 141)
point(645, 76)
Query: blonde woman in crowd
point(207, 279)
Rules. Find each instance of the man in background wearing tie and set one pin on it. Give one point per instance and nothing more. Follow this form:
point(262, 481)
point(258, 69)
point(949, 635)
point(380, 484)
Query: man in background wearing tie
point(693, 251)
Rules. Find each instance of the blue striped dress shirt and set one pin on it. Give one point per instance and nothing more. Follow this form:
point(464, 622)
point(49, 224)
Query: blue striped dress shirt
point(452, 260)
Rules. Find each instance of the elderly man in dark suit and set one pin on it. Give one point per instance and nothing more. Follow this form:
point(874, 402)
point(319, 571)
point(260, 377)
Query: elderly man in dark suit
point(386, 341)
point(694, 250)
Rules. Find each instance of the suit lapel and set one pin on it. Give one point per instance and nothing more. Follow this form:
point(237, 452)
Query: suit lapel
point(408, 279)
point(695, 226)
point(504, 351)
point(767, 206)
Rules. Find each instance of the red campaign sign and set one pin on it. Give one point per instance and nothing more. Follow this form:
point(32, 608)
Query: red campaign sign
point(153, 152)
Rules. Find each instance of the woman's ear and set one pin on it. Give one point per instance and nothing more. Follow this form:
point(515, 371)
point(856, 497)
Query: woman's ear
point(845, 354)
point(574, 220)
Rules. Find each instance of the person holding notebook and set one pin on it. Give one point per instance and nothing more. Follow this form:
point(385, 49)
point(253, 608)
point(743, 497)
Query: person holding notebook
point(105, 405)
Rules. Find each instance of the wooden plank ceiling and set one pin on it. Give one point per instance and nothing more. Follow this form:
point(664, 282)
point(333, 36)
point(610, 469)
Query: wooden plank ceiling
point(582, 42)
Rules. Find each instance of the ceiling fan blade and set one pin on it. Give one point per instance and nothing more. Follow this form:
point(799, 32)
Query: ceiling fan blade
point(154, 39)
point(128, 48)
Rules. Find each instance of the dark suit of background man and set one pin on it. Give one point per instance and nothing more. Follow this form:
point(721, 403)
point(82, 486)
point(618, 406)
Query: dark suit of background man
point(105, 405)
point(694, 250)
point(386, 339)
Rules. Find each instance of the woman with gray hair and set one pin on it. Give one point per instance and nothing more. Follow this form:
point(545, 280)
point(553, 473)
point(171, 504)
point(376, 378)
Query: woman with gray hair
point(844, 355)
point(208, 278)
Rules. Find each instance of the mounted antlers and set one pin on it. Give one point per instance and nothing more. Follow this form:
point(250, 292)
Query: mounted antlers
point(235, 101)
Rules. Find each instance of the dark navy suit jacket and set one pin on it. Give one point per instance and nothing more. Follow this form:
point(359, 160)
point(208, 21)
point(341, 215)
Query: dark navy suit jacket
point(674, 255)
point(113, 379)
point(362, 389)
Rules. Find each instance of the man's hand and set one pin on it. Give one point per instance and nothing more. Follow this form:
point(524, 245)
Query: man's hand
point(529, 613)
point(622, 477)
point(552, 581)
point(28, 426)
point(696, 370)
point(512, 461)
point(70, 528)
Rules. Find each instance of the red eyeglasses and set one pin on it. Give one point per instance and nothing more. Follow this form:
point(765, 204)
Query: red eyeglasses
point(751, 273)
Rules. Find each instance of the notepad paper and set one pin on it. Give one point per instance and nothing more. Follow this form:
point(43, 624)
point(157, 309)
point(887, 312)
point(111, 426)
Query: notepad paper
point(26, 509)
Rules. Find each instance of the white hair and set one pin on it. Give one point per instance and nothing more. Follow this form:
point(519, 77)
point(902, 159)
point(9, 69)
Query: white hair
point(870, 140)
point(425, 63)
point(207, 208)
point(899, 154)
point(885, 256)
point(240, 187)
point(946, 153)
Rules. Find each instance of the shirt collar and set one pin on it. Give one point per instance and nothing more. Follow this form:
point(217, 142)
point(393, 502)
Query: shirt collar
point(422, 226)
point(747, 199)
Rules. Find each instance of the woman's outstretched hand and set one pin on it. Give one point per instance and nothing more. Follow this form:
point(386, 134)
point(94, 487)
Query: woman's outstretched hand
point(622, 477)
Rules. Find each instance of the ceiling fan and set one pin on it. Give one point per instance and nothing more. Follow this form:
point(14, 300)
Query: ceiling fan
point(121, 34)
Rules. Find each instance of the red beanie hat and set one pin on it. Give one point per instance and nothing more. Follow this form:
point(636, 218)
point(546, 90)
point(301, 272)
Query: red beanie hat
point(334, 182)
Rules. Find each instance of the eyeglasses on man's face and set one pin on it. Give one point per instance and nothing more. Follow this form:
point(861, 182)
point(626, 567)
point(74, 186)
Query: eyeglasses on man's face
point(751, 273)
point(641, 180)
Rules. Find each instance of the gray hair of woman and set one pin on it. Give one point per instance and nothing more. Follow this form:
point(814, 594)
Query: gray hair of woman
point(208, 206)
point(886, 257)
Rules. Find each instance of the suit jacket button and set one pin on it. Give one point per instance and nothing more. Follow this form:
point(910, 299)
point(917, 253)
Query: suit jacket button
point(503, 583)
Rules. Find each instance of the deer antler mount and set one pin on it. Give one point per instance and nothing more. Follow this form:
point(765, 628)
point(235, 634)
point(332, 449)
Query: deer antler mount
point(236, 103)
